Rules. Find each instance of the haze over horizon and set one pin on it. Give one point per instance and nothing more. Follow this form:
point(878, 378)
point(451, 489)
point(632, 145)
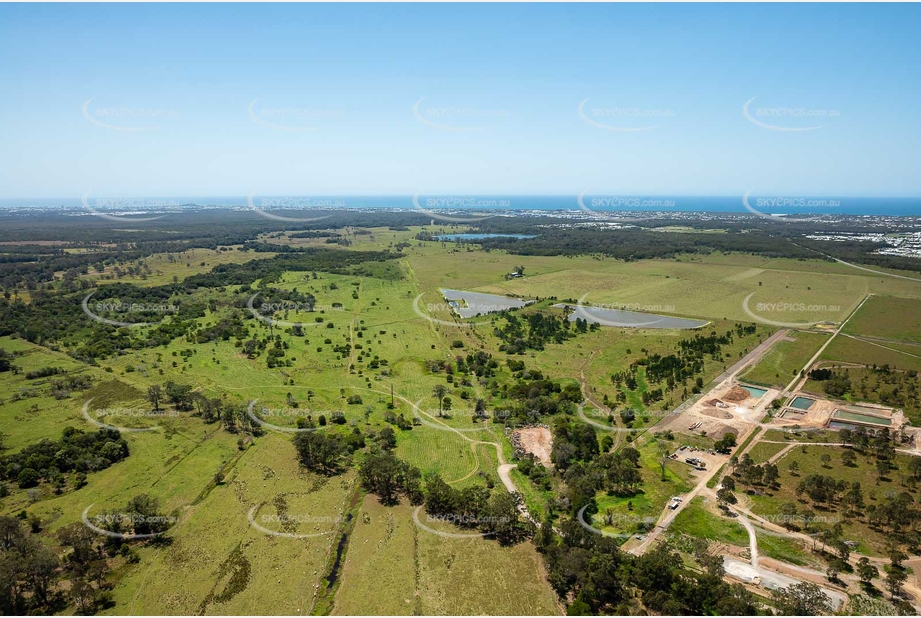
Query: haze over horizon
point(548, 100)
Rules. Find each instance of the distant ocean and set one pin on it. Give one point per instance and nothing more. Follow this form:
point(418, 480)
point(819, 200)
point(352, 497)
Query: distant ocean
point(767, 204)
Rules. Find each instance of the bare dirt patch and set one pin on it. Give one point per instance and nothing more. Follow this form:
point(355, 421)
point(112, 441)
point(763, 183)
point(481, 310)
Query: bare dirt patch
point(538, 441)
point(723, 414)
point(736, 394)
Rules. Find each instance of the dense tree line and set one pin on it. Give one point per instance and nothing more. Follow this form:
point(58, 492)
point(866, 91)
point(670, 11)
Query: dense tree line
point(76, 451)
point(595, 577)
point(638, 244)
point(6, 361)
point(536, 330)
point(28, 572)
point(42, 576)
point(750, 235)
point(325, 452)
point(535, 397)
point(337, 261)
point(317, 234)
point(494, 513)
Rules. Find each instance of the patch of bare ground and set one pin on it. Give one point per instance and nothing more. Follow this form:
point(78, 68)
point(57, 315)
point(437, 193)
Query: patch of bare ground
point(723, 414)
point(536, 440)
point(737, 394)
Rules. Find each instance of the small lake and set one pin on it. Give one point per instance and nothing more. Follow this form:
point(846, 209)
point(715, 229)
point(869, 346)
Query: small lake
point(480, 236)
point(472, 304)
point(802, 403)
point(755, 392)
point(627, 319)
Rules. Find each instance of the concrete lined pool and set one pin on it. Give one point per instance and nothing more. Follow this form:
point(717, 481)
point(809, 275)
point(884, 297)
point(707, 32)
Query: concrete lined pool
point(802, 403)
point(839, 425)
point(627, 319)
point(847, 415)
point(755, 392)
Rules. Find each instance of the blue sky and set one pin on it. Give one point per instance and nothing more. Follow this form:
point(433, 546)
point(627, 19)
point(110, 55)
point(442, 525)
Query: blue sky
point(224, 91)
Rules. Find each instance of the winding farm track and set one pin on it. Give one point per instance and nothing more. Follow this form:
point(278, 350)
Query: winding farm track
point(503, 470)
point(752, 538)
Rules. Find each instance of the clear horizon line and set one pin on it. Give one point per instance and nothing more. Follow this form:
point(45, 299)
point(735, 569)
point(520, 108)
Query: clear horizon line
point(430, 193)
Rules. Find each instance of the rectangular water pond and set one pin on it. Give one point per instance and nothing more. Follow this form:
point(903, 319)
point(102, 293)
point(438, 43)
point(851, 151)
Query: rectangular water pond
point(847, 415)
point(755, 392)
point(472, 304)
point(627, 319)
point(802, 403)
point(839, 426)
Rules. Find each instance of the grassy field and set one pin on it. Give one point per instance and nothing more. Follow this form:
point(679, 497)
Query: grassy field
point(848, 350)
point(397, 568)
point(762, 451)
point(226, 566)
point(707, 289)
point(870, 541)
point(161, 268)
point(786, 549)
point(888, 317)
point(28, 411)
point(697, 521)
point(785, 360)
